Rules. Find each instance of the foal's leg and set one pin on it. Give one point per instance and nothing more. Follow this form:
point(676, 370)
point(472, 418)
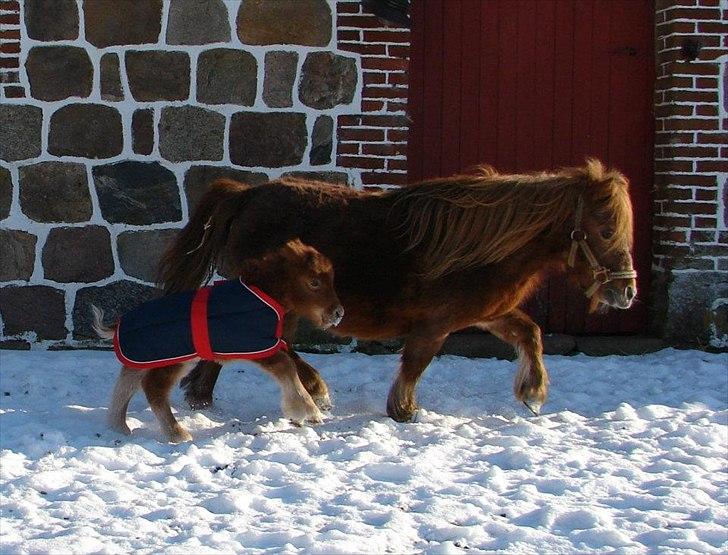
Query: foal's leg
point(517, 329)
point(309, 376)
point(127, 384)
point(157, 385)
point(416, 355)
point(296, 402)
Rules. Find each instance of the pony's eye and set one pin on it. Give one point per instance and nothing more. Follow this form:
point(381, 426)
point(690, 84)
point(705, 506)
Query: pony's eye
point(315, 283)
point(607, 233)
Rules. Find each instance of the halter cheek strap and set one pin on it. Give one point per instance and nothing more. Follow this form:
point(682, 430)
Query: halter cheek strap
point(601, 274)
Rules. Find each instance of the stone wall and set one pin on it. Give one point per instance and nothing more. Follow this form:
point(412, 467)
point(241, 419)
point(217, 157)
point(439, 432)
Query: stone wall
point(115, 115)
point(691, 168)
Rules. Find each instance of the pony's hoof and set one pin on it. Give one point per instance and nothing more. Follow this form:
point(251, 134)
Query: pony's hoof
point(534, 407)
point(401, 414)
point(323, 402)
point(180, 436)
point(198, 404)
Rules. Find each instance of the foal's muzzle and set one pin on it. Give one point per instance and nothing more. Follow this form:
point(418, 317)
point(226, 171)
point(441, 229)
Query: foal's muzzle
point(618, 297)
point(335, 316)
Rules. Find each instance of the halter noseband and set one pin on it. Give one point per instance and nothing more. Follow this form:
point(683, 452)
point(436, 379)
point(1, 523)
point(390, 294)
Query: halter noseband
point(601, 274)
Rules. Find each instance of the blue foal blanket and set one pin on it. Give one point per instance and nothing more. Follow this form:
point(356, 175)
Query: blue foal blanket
point(223, 321)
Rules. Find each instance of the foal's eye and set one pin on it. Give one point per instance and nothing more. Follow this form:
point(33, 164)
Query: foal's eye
point(607, 233)
point(315, 283)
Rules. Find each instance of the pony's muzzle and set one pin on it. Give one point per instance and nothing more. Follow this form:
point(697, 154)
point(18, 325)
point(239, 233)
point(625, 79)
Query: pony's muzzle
point(618, 297)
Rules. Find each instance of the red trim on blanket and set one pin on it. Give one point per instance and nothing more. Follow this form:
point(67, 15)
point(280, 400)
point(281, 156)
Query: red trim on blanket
point(146, 365)
point(198, 321)
point(275, 305)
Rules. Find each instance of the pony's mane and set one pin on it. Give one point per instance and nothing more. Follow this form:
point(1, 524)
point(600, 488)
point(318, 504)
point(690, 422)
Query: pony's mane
point(466, 221)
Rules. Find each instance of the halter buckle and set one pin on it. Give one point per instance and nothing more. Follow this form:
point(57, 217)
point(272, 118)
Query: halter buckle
point(578, 235)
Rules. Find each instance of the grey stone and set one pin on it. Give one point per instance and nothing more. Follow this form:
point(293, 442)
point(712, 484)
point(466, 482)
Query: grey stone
point(156, 75)
point(49, 20)
point(226, 76)
point(304, 22)
point(370, 347)
point(558, 344)
point(55, 192)
point(140, 251)
point(267, 139)
point(20, 130)
point(280, 75)
point(477, 345)
point(17, 252)
point(191, 133)
point(33, 309)
point(604, 345)
point(198, 179)
point(78, 254)
point(338, 178)
point(137, 193)
point(6, 192)
point(327, 80)
point(114, 299)
point(315, 340)
point(688, 301)
point(58, 72)
point(115, 22)
point(197, 22)
point(142, 131)
point(86, 130)
point(15, 345)
point(111, 78)
point(322, 140)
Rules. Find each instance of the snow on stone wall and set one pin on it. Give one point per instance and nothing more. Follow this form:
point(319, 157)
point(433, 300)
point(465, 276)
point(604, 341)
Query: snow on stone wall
point(116, 115)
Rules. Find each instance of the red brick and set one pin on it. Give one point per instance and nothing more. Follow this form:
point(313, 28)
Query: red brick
point(691, 96)
point(366, 49)
point(682, 27)
point(374, 78)
point(347, 7)
point(350, 120)
point(712, 138)
point(673, 165)
point(348, 35)
point(712, 166)
point(387, 36)
point(706, 110)
point(676, 193)
point(9, 62)
point(10, 6)
point(393, 106)
point(670, 81)
point(667, 4)
point(397, 165)
point(10, 34)
point(397, 135)
point(696, 124)
point(387, 149)
point(668, 110)
point(361, 135)
point(397, 78)
point(360, 162)
point(9, 77)
point(706, 83)
point(685, 180)
point(677, 41)
point(359, 21)
point(398, 51)
point(724, 152)
point(705, 194)
point(706, 223)
point(712, 27)
point(689, 152)
point(10, 47)
point(693, 13)
point(348, 148)
point(385, 121)
point(10, 19)
point(698, 208)
point(671, 138)
point(383, 178)
point(384, 64)
point(372, 105)
point(687, 68)
point(669, 222)
point(14, 92)
point(671, 236)
point(384, 92)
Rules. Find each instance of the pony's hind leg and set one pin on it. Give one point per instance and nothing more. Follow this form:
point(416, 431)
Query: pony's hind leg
point(531, 383)
point(157, 385)
point(200, 383)
point(296, 403)
point(127, 384)
point(416, 355)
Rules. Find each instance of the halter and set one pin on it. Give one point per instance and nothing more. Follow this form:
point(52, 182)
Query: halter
point(601, 274)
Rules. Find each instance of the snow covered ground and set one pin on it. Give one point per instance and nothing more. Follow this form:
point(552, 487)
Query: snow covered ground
point(630, 456)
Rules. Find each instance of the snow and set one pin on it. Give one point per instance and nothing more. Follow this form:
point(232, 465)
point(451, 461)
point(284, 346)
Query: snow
point(630, 456)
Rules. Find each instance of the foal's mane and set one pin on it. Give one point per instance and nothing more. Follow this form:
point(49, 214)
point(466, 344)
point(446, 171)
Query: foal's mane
point(466, 221)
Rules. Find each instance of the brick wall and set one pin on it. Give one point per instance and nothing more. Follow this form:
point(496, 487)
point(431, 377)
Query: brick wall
point(10, 50)
point(691, 170)
point(376, 139)
point(116, 115)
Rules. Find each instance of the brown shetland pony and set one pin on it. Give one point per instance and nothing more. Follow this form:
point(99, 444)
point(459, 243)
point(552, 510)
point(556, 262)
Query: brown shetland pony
point(422, 261)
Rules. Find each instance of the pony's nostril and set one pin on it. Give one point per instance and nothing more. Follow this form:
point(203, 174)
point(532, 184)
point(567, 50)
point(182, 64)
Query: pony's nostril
point(629, 292)
point(339, 312)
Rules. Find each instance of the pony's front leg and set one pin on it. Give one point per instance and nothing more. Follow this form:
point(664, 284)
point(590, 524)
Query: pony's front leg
point(309, 376)
point(416, 355)
point(517, 329)
point(296, 403)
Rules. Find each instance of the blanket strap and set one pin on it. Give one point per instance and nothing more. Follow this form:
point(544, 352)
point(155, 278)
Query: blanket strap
point(200, 332)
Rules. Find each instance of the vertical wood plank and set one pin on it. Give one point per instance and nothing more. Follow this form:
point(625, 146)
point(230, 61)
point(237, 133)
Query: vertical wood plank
point(433, 87)
point(451, 79)
point(470, 62)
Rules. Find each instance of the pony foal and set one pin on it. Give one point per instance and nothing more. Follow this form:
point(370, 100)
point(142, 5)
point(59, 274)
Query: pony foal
point(230, 320)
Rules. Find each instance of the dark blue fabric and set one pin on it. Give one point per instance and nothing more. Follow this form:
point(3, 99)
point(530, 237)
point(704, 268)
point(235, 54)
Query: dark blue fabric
point(239, 322)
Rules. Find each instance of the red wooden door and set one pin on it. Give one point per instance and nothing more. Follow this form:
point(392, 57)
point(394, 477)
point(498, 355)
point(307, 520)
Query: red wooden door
point(533, 85)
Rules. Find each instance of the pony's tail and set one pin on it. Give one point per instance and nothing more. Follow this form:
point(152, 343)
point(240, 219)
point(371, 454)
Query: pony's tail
point(98, 326)
point(190, 260)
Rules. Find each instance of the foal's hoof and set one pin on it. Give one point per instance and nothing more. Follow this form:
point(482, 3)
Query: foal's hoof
point(401, 414)
point(196, 403)
point(323, 402)
point(180, 436)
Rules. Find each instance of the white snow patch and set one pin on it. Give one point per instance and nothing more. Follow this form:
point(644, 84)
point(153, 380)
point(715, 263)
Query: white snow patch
point(629, 456)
